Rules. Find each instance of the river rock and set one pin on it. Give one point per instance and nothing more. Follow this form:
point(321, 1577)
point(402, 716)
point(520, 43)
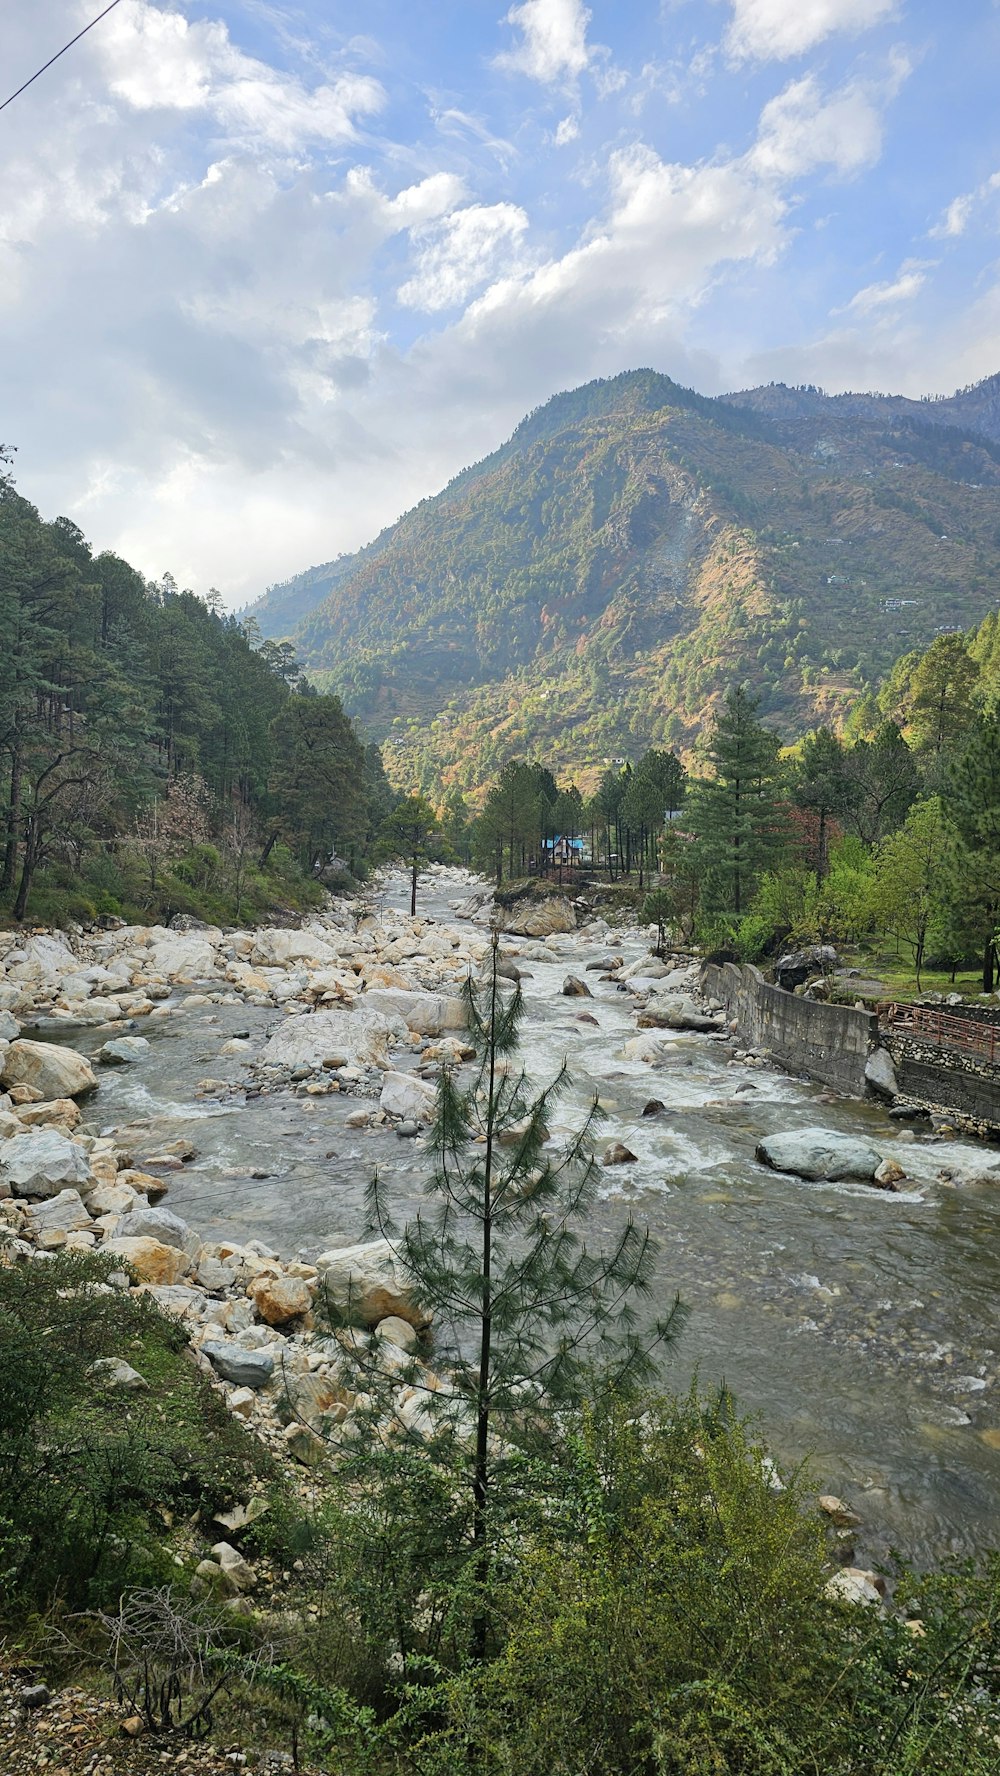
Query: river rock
point(853, 1585)
point(839, 1514)
point(820, 1153)
point(64, 1113)
point(889, 1175)
point(42, 1163)
point(152, 1261)
point(618, 1154)
point(361, 1285)
point(880, 1073)
point(156, 1224)
point(654, 1107)
point(183, 956)
point(404, 1095)
point(10, 1029)
point(55, 1072)
point(429, 1014)
point(393, 1330)
point(122, 1050)
point(278, 948)
point(244, 1368)
point(361, 1035)
point(529, 917)
point(65, 1212)
point(279, 1300)
point(574, 988)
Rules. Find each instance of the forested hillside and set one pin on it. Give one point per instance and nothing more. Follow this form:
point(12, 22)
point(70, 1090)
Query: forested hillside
point(594, 586)
point(155, 756)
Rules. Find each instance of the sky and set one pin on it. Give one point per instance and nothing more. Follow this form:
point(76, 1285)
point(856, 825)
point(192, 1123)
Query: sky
point(272, 271)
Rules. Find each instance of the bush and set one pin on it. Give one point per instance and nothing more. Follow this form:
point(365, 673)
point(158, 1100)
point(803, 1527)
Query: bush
point(85, 1471)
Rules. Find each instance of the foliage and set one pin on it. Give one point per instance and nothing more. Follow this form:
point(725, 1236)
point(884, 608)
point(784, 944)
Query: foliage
point(526, 1316)
point(137, 723)
point(733, 814)
point(83, 1476)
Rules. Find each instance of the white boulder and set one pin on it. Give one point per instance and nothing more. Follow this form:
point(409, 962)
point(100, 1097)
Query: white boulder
point(42, 1164)
point(54, 1071)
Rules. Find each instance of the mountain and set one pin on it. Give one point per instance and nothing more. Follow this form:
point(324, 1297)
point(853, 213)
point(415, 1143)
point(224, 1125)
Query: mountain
point(595, 584)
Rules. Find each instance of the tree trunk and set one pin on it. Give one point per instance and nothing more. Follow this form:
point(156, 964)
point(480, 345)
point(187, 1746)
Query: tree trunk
point(10, 849)
point(989, 955)
point(413, 887)
point(268, 848)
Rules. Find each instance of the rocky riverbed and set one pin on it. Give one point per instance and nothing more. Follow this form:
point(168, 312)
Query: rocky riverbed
point(211, 1104)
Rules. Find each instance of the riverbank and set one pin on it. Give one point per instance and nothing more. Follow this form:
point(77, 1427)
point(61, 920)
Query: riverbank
point(285, 1065)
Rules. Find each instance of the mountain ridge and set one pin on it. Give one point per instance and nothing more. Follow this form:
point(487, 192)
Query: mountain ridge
point(595, 583)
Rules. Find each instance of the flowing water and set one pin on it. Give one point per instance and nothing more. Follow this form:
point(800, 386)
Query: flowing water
point(860, 1325)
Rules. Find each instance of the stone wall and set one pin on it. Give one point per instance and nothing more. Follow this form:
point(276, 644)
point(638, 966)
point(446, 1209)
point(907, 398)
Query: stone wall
point(830, 1043)
point(947, 1079)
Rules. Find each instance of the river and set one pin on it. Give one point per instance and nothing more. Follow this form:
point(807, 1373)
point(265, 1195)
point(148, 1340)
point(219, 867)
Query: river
point(861, 1327)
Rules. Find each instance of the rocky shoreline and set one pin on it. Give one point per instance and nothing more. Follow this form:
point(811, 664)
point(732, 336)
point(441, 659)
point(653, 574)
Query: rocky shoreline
point(307, 1354)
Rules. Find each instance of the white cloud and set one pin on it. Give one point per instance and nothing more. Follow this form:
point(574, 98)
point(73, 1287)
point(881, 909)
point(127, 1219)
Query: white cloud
point(908, 283)
point(553, 48)
point(801, 130)
point(459, 254)
point(956, 217)
point(959, 212)
point(567, 130)
point(156, 60)
point(773, 30)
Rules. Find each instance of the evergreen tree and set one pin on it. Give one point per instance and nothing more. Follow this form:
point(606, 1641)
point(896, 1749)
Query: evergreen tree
point(974, 865)
point(822, 788)
point(882, 782)
point(943, 692)
point(525, 1315)
point(908, 890)
point(734, 814)
point(409, 831)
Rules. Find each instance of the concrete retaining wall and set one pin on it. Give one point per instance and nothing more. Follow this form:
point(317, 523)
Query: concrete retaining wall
point(830, 1043)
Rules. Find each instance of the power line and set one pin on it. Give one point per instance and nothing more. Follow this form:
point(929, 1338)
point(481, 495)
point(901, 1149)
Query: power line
point(59, 52)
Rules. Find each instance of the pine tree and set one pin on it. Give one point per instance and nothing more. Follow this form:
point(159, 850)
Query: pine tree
point(734, 814)
point(974, 804)
point(525, 1314)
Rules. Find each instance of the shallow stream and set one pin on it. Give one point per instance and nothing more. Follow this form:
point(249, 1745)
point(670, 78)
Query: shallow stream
point(861, 1326)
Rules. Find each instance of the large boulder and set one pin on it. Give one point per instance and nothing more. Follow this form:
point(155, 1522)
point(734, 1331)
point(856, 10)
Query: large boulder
point(157, 1224)
point(152, 1261)
point(797, 966)
point(244, 1368)
point(43, 1163)
point(279, 1300)
point(276, 949)
point(10, 1029)
point(358, 1034)
point(529, 917)
point(820, 1153)
point(55, 1072)
point(64, 1213)
point(183, 956)
point(361, 1285)
point(880, 1074)
point(403, 1095)
point(430, 1014)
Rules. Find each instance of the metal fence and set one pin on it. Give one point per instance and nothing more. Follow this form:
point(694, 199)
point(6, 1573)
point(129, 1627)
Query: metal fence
point(946, 1029)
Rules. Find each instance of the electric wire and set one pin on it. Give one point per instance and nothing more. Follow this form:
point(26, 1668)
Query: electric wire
point(59, 52)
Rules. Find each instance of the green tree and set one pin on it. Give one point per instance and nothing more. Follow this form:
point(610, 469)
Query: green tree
point(525, 1315)
point(409, 832)
point(882, 782)
point(734, 814)
point(943, 694)
point(973, 796)
point(317, 779)
point(908, 882)
point(822, 788)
